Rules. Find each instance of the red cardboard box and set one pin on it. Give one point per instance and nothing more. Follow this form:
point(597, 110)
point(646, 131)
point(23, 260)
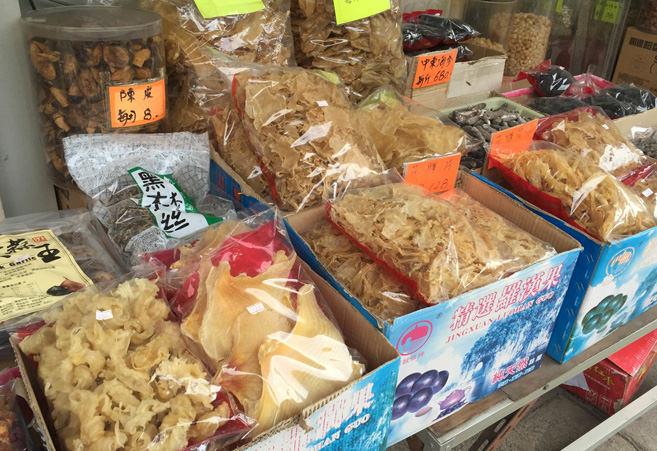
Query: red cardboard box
point(610, 384)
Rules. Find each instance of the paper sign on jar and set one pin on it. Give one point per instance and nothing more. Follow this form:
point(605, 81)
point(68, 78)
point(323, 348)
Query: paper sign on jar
point(436, 175)
point(434, 69)
point(220, 8)
point(512, 140)
point(351, 10)
point(136, 104)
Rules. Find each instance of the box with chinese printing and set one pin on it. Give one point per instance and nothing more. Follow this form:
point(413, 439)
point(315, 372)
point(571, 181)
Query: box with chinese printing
point(463, 349)
point(611, 384)
point(613, 282)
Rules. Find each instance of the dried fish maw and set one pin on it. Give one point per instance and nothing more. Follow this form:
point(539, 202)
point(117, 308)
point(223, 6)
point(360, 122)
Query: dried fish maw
point(303, 366)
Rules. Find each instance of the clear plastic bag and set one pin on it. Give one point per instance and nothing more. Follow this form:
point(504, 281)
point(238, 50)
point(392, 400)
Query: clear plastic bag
point(645, 138)
point(14, 432)
point(403, 132)
point(46, 256)
point(640, 99)
point(366, 53)
point(438, 246)
point(555, 105)
point(428, 31)
point(151, 188)
point(549, 80)
point(308, 137)
point(117, 374)
point(263, 327)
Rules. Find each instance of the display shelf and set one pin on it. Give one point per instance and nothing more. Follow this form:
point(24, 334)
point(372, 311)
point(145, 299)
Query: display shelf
point(479, 416)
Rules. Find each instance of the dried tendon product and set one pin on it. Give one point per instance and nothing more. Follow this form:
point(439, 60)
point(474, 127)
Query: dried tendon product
point(366, 53)
point(306, 134)
point(440, 247)
point(381, 294)
point(117, 374)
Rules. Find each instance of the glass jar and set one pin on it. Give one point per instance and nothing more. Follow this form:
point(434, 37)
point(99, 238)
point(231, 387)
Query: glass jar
point(491, 18)
point(529, 35)
point(97, 69)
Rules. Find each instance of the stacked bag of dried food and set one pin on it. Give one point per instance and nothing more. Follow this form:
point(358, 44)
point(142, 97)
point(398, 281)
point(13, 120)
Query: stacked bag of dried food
point(428, 31)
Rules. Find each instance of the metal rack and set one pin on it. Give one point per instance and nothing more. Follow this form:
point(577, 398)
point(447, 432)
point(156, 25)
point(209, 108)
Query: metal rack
point(494, 412)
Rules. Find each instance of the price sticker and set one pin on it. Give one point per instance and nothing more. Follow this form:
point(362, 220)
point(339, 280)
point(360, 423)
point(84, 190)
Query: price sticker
point(137, 104)
point(351, 10)
point(220, 8)
point(608, 11)
point(434, 69)
point(512, 140)
point(436, 175)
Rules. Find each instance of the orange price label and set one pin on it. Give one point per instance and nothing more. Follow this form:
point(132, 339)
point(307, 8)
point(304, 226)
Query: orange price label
point(434, 69)
point(436, 175)
point(512, 140)
point(137, 104)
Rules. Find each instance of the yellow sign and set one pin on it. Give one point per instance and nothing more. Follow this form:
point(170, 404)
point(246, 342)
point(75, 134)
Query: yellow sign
point(351, 10)
point(220, 8)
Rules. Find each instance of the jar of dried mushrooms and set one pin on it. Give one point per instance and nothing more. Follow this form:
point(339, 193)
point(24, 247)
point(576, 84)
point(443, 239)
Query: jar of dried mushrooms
point(97, 69)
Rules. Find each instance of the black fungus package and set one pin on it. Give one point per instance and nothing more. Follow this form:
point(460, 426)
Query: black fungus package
point(428, 31)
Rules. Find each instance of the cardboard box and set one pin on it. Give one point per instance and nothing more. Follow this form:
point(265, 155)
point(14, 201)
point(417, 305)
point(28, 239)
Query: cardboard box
point(611, 384)
point(637, 62)
point(625, 269)
point(483, 339)
point(70, 197)
point(355, 417)
point(470, 78)
point(646, 119)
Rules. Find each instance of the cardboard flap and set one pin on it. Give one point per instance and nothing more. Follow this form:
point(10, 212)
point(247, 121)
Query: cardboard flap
point(632, 357)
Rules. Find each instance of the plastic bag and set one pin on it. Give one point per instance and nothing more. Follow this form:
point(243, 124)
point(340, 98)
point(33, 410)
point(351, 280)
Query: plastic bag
point(438, 246)
point(574, 188)
point(427, 31)
point(365, 53)
point(261, 324)
point(640, 99)
point(380, 293)
point(548, 80)
point(555, 105)
point(308, 138)
point(46, 256)
point(117, 374)
point(14, 432)
point(645, 138)
point(151, 189)
point(613, 107)
point(403, 132)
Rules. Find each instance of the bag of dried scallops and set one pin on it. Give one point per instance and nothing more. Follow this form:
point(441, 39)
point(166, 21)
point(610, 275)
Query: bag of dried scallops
point(438, 246)
point(259, 321)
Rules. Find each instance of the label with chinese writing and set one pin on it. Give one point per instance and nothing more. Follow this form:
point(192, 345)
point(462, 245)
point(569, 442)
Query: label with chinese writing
point(36, 270)
point(220, 8)
point(351, 10)
point(608, 11)
point(436, 175)
point(172, 210)
point(434, 69)
point(136, 104)
point(512, 140)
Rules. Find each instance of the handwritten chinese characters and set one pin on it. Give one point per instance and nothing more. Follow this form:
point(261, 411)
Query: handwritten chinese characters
point(434, 69)
point(436, 175)
point(136, 104)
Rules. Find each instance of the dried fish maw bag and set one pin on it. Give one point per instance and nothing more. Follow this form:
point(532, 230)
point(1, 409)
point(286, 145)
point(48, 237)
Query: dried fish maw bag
point(575, 189)
point(308, 138)
point(438, 246)
point(366, 53)
point(404, 132)
point(379, 292)
point(117, 374)
point(248, 306)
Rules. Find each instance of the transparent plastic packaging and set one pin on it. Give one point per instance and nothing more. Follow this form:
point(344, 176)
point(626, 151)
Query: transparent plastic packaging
point(77, 54)
point(426, 31)
point(529, 35)
point(366, 54)
point(549, 80)
point(645, 138)
point(404, 132)
point(14, 435)
point(438, 246)
point(492, 19)
point(308, 137)
point(262, 326)
point(555, 105)
point(117, 374)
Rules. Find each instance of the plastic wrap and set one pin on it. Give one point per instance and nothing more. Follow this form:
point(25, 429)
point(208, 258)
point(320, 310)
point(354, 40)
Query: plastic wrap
point(641, 99)
point(403, 132)
point(575, 189)
point(14, 433)
point(308, 137)
point(262, 326)
point(548, 80)
point(555, 105)
point(152, 190)
point(427, 31)
point(439, 247)
point(117, 374)
point(366, 53)
point(381, 294)
point(645, 138)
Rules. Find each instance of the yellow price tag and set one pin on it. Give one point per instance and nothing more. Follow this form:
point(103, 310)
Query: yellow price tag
point(351, 10)
point(220, 8)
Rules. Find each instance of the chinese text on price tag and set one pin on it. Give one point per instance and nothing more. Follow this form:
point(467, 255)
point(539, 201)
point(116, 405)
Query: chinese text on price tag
point(436, 175)
point(434, 69)
point(136, 104)
point(512, 140)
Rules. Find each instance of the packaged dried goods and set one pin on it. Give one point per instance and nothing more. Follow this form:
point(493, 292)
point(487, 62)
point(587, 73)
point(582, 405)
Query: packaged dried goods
point(262, 326)
point(14, 435)
point(555, 105)
point(645, 138)
point(366, 53)
point(152, 190)
point(308, 138)
point(425, 31)
point(97, 70)
point(548, 80)
point(381, 293)
point(640, 100)
point(403, 132)
point(439, 247)
point(492, 19)
point(529, 35)
point(46, 256)
point(572, 187)
point(116, 374)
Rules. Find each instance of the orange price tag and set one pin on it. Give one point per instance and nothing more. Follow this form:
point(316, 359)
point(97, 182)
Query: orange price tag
point(137, 104)
point(434, 69)
point(512, 140)
point(436, 175)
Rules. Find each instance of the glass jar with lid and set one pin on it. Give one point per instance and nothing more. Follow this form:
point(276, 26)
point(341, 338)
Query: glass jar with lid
point(529, 35)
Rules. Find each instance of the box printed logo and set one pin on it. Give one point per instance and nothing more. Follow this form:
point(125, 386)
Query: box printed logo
point(620, 262)
point(414, 337)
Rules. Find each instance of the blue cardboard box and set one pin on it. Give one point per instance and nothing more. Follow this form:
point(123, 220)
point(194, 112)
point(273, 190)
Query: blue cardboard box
point(613, 283)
